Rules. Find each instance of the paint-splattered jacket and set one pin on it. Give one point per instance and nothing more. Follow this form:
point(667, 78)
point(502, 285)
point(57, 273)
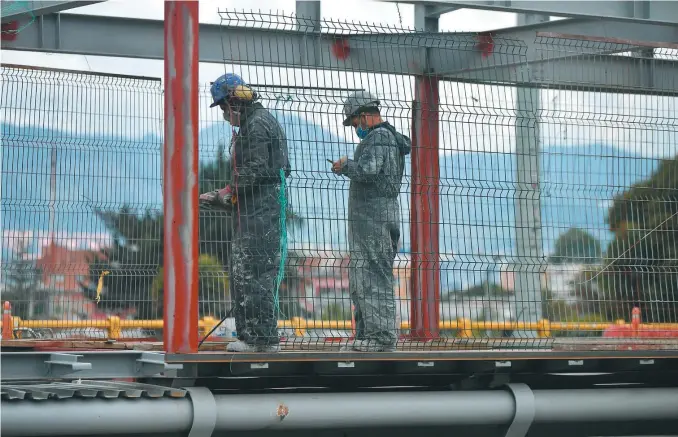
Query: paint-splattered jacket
point(259, 153)
point(376, 173)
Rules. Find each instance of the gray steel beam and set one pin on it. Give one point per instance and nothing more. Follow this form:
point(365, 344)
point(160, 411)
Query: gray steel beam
point(437, 11)
point(528, 202)
point(619, 36)
point(649, 11)
point(297, 411)
point(141, 38)
point(17, 10)
point(631, 75)
point(82, 364)
point(451, 54)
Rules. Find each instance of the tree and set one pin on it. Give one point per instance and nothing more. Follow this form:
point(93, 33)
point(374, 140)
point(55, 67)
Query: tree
point(576, 246)
point(644, 253)
point(22, 285)
point(132, 262)
point(213, 292)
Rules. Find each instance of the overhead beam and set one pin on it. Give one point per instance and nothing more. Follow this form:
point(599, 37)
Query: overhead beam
point(437, 11)
point(646, 11)
point(452, 54)
point(609, 73)
point(610, 37)
point(12, 11)
point(143, 38)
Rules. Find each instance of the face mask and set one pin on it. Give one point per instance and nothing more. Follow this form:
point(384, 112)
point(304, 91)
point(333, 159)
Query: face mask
point(362, 133)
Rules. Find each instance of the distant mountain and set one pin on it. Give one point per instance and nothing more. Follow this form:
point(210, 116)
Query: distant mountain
point(477, 188)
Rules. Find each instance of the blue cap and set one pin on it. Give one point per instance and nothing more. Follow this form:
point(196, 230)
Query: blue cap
point(230, 86)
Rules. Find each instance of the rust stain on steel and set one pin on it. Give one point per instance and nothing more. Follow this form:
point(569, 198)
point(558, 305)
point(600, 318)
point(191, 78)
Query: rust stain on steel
point(180, 176)
point(282, 411)
point(630, 42)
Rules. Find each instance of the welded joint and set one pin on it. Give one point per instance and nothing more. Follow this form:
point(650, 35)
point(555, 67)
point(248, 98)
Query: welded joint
point(525, 410)
point(60, 364)
point(204, 412)
point(152, 363)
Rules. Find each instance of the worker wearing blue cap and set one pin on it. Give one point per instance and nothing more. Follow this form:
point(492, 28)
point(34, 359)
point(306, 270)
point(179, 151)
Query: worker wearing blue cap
point(259, 153)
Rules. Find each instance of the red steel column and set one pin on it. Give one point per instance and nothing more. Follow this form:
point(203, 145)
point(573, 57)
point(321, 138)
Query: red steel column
point(180, 177)
point(425, 212)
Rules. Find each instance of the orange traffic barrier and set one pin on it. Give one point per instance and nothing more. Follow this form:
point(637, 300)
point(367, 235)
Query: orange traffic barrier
point(7, 322)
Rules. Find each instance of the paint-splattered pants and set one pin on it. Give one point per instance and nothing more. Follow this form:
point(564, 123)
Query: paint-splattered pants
point(255, 255)
point(373, 231)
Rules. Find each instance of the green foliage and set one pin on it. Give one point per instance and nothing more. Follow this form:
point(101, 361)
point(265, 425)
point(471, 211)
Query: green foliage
point(335, 311)
point(22, 285)
point(576, 246)
point(479, 290)
point(556, 310)
point(644, 252)
point(213, 290)
point(132, 262)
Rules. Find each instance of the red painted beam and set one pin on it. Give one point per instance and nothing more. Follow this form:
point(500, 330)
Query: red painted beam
point(180, 177)
point(425, 213)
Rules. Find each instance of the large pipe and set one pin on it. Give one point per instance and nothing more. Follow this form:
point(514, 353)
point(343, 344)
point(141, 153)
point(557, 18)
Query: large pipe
point(334, 411)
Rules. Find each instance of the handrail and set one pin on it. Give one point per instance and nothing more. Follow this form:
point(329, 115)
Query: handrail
point(465, 327)
point(114, 325)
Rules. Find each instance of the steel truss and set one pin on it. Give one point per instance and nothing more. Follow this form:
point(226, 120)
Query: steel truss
point(516, 407)
point(119, 37)
point(650, 11)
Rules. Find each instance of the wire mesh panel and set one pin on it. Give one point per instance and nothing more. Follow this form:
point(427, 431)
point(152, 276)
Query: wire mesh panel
point(80, 202)
point(524, 179)
point(506, 194)
point(607, 189)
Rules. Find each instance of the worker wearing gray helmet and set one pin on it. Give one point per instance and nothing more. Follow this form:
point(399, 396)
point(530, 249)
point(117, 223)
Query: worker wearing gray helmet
point(375, 175)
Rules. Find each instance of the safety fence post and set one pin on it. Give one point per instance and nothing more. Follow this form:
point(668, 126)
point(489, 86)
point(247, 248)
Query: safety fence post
point(425, 212)
point(180, 177)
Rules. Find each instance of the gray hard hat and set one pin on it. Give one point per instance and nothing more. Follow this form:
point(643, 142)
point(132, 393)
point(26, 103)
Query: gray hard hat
point(356, 102)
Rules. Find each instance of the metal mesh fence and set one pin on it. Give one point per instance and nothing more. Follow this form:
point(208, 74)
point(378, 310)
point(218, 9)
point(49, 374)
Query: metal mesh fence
point(556, 197)
point(80, 166)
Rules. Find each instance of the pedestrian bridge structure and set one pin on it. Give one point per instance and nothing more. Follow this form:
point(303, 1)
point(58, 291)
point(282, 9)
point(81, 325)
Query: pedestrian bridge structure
point(535, 285)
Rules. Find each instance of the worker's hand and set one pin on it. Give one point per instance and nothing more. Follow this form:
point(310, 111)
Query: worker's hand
point(208, 198)
point(337, 166)
point(225, 196)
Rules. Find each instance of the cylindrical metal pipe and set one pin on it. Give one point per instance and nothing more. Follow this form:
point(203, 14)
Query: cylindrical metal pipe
point(357, 410)
point(335, 411)
point(180, 177)
point(73, 417)
point(611, 405)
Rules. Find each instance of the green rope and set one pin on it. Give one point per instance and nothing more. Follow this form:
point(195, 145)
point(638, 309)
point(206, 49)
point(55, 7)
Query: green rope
point(282, 198)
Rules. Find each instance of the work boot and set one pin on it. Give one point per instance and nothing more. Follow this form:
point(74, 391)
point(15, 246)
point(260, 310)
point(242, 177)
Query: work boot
point(241, 346)
point(368, 346)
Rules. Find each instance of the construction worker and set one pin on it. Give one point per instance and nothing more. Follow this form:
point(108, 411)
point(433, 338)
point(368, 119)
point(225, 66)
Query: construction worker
point(260, 163)
point(375, 175)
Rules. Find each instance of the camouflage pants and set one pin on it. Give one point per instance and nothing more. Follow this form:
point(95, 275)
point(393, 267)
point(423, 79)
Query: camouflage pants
point(255, 251)
point(374, 232)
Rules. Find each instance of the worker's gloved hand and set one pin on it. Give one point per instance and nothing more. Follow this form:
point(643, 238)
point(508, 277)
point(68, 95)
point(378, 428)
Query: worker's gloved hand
point(223, 197)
